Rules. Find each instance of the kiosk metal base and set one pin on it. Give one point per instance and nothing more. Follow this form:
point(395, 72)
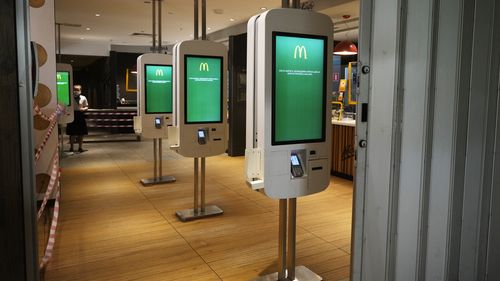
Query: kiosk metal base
point(190, 214)
point(65, 154)
point(302, 273)
point(152, 181)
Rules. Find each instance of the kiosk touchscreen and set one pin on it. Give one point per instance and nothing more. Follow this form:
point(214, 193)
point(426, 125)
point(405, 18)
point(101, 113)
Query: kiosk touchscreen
point(200, 111)
point(154, 99)
point(288, 140)
point(64, 82)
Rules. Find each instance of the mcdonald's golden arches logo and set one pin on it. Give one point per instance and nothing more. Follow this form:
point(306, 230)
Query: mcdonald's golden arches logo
point(300, 49)
point(204, 66)
point(159, 72)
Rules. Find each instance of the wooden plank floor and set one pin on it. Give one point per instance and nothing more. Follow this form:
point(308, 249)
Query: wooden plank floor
point(112, 228)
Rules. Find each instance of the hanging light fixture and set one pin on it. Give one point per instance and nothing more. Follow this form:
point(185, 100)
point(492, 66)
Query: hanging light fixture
point(345, 48)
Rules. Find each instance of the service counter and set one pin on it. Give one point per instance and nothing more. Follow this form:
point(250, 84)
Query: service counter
point(111, 121)
point(343, 134)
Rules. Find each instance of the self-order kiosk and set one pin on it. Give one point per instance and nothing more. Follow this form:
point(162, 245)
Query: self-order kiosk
point(288, 139)
point(155, 106)
point(200, 112)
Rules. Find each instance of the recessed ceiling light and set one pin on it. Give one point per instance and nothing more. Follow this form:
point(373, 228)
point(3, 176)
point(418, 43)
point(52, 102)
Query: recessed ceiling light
point(97, 15)
point(88, 28)
point(231, 19)
point(263, 8)
point(81, 38)
point(209, 28)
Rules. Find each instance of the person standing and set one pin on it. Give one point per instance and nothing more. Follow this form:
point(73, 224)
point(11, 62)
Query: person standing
point(78, 128)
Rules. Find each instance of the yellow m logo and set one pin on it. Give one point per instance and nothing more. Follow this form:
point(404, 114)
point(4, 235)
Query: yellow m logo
point(59, 77)
point(159, 72)
point(204, 66)
point(300, 49)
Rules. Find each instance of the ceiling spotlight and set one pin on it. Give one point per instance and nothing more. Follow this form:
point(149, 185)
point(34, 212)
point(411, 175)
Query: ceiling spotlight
point(209, 28)
point(88, 28)
point(81, 38)
point(97, 15)
point(231, 19)
point(263, 8)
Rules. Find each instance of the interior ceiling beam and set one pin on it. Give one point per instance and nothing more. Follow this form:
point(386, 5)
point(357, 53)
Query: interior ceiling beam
point(240, 28)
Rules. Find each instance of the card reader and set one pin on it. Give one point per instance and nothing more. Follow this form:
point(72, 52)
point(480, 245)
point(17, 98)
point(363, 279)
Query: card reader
point(296, 166)
point(158, 122)
point(202, 136)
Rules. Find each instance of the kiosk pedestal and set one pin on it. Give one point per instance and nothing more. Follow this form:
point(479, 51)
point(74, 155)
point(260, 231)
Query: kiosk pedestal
point(287, 239)
point(199, 210)
point(62, 153)
point(158, 178)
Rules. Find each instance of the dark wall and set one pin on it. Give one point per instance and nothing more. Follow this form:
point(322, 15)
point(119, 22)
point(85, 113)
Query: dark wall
point(102, 77)
point(237, 94)
point(96, 83)
point(12, 217)
point(120, 62)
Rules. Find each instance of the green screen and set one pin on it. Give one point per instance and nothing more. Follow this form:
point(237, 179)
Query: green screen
point(203, 94)
point(158, 88)
point(298, 88)
point(63, 91)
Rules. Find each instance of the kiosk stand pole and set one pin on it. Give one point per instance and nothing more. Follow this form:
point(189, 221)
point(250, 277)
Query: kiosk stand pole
point(203, 20)
point(202, 194)
point(196, 171)
point(62, 153)
point(281, 241)
point(160, 160)
point(155, 160)
point(200, 210)
point(287, 271)
point(292, 234)
point(158, 166)
point(196, 15)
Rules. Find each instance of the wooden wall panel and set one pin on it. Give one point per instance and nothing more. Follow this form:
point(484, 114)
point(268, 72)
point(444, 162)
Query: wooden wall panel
point(343, 151)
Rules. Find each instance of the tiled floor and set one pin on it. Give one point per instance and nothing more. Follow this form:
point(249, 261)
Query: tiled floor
point(113, 228)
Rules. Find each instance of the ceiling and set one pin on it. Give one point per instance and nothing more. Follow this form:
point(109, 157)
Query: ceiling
point(118, 19)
